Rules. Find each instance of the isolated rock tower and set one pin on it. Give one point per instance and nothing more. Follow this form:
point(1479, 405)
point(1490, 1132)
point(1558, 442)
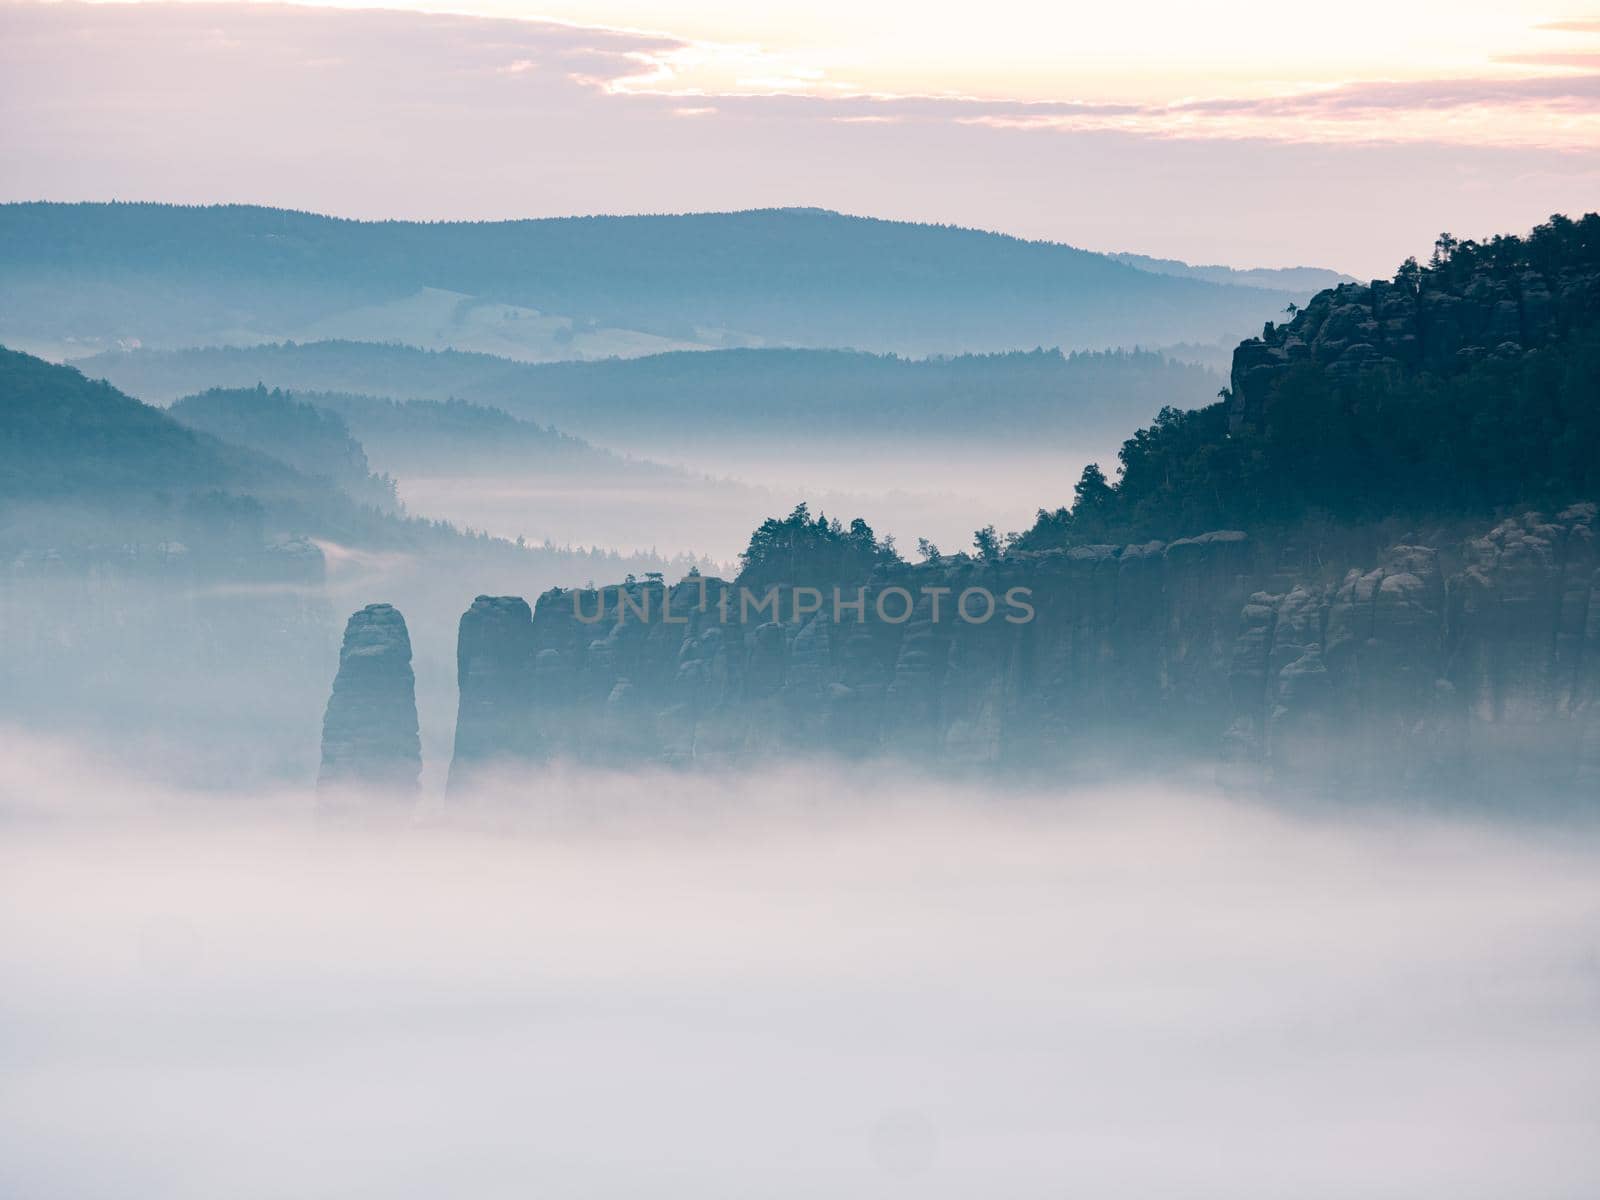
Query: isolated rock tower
point(369, 732)
point(495, 662)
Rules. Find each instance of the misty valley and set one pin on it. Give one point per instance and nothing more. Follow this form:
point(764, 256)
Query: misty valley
point(1368, 566)
point(783, 704)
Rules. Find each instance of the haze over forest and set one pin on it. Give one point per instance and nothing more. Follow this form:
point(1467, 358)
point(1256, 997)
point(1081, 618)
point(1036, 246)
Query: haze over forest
point(955, 635)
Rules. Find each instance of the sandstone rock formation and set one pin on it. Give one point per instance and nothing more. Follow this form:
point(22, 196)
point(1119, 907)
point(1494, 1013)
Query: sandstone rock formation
point(495, 679)
point(1116, 635)
point(369, 732)
point(1429, 323)
point(1401, 677)
point(1453, 668)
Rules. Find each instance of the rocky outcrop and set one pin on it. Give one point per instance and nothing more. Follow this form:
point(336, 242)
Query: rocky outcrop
point(369, 731)
point(1401, 677)
point(495, 679)
point(1524, 655)
point(961, 661)
point(1454, 668)
point(1439, 321)
point(1332, 682)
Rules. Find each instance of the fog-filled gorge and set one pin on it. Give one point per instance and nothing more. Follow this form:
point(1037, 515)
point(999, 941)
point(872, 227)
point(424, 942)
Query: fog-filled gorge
point(785, 704)
point(788, 982)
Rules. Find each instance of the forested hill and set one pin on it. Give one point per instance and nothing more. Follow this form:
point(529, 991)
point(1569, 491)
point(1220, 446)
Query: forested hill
point(1295, 281)
point(86, 471)
point(171, 275)
point(1018, 397)
point(82, 462)
point(1463, 387)
point(65, 436)
point(334, 433)
point(313, 440)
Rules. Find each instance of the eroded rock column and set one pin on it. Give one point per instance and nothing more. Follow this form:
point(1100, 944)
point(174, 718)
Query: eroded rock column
point(495, 676)
point(369, 731)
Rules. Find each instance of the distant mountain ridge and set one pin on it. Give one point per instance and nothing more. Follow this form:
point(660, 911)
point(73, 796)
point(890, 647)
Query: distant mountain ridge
point(83, 277)
point(402, 436)
point(82, 462)
point(65, 435)
point(68, 443)
point(1295, 281)
point(1017, 396)
point(314, 441)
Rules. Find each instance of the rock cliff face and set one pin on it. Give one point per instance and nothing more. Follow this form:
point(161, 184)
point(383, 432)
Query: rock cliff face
point(1401, 677)
point(1431, 322)
point(369, 731)
point(961, 661)
point(495, 679)
point(1468, 666)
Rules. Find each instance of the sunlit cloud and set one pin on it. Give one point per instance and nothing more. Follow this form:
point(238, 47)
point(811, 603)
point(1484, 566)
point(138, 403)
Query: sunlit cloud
point(1556, 106)
point(1588, 60)
point(1561, 112)
point(1550, 109)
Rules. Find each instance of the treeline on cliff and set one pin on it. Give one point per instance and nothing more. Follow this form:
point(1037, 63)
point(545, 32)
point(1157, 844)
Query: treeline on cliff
point(813, 551)
point(1467, 386)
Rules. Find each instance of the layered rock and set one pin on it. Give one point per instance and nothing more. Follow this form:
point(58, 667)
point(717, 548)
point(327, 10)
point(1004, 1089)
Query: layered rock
point(1434, 322)
point(1460, 668)
point(1468, 667)
point(1399, 677)
point(930, 662)
point(1524, 651)
point(495, 678)
point(369, 731)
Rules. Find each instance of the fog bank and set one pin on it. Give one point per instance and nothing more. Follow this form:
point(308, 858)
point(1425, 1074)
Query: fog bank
point(797, 983)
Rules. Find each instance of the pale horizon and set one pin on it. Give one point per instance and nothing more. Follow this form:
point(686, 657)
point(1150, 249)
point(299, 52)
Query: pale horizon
point(1286, 145)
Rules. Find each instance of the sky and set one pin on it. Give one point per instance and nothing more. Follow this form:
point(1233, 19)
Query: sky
point(1248, 133)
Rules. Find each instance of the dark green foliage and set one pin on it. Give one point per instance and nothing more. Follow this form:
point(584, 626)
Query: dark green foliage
point(86, 471)
point(1092, 499)
point(1560, 243)
point(987, 543)
point(80, 461)
point(812, 551)
point(310, 439)
point(427, 437)
point(64, 435)
point(1493, 431)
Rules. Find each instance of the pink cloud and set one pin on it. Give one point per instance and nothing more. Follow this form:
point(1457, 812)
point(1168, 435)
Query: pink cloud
point(1573, 25)
point(1581, 58)
point(446, 116)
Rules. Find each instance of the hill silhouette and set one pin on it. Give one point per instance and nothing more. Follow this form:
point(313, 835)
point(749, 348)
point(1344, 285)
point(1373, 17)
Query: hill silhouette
point(91, 274)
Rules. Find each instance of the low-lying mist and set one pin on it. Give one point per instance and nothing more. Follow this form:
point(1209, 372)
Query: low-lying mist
point(791, 982)
point(942, 491)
